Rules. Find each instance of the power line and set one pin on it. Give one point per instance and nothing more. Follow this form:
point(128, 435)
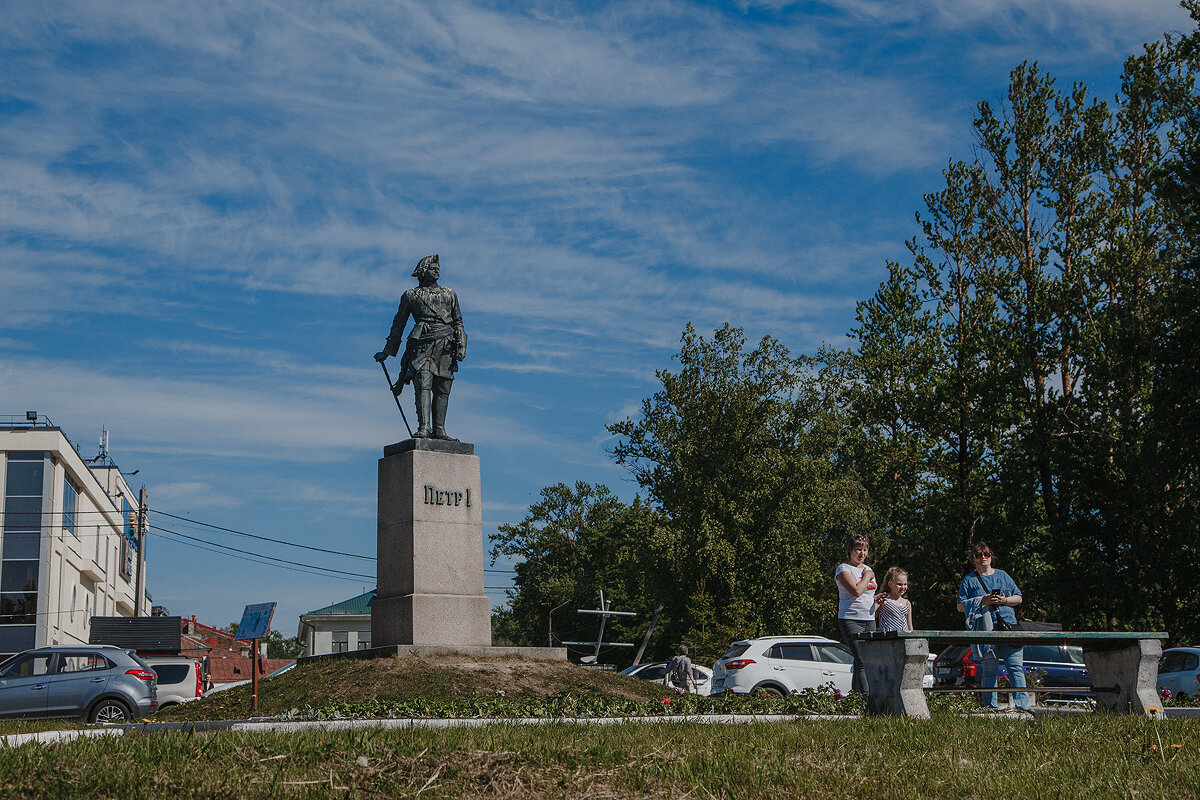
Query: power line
point(238, 533)
point(289, 544)
point(260, 555)
point(262, 538)
point(258, 561)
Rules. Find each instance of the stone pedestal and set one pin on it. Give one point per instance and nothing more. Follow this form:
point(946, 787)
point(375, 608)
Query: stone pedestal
point(895, 669)
point(430, 568)
point(1126, 676)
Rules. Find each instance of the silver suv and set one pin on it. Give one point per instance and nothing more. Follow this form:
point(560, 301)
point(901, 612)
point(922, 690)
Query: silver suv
point(99, 683)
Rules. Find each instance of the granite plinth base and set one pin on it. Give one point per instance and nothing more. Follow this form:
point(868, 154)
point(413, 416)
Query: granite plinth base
point(430, 587)
point(442, 620)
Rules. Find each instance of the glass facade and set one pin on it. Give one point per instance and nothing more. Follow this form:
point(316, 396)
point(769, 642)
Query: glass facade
point(20, 550)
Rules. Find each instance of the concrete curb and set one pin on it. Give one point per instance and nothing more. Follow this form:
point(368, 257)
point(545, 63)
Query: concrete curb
point(299, 726)
point(52, 737)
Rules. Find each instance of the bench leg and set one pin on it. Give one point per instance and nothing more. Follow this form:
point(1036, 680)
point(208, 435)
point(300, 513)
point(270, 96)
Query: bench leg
point(895, 669)
point(1133, 670)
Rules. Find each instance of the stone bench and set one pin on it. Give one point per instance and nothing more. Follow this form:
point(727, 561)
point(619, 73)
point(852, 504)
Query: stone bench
point(1123, 665)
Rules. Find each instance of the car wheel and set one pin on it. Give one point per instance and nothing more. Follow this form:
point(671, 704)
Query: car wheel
point(110, 711)
point(770, 691)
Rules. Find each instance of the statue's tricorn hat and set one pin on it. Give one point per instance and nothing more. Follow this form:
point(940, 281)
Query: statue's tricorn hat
point(424, 264)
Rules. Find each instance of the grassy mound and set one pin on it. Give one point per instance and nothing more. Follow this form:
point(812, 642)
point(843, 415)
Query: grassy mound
point(437, 682)
point(453, 685)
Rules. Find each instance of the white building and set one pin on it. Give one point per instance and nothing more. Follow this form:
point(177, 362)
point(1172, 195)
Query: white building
point(69, 547)
point(337, 628)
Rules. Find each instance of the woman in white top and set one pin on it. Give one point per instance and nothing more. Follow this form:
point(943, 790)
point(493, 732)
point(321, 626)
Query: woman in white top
point(856, 601)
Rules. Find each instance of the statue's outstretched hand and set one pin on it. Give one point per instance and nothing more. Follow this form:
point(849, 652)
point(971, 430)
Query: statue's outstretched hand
point(381, 356)
point(461, 354)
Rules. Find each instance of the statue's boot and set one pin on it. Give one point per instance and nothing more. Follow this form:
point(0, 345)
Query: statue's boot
point(422, 416)
point(440, 401)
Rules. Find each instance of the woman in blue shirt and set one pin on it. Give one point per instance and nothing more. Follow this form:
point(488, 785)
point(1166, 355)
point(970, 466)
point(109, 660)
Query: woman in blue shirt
point(997, 595)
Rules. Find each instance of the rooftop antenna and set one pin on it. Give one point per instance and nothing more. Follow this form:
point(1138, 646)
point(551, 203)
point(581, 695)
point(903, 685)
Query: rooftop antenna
point(103, 456)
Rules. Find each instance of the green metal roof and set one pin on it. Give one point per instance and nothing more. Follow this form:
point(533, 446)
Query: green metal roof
point(355, 605)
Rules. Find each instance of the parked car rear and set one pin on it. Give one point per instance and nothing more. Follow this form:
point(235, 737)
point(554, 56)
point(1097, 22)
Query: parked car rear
point(1050, 664)
point(1179, 672)
point(780, 665)
point(99, 683)
point(179, 679)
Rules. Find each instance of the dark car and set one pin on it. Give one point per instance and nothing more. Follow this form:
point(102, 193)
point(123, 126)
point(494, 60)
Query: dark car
point(1045, 665)
point(99, 683)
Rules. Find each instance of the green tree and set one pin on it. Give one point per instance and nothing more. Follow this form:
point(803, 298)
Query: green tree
point(576, 541)
point(739, 452)
point(279, 646)
point(1135, 465)
point(1044, 300)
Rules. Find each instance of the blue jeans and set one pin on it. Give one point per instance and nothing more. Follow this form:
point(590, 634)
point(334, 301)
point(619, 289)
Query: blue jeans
point(1014, 661)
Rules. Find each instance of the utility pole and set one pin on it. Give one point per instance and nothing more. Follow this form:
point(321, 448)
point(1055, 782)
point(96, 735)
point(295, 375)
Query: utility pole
point(142, 526)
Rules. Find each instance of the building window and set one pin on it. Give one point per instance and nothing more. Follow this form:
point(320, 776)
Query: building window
point(70, 498)
point(21, 548)
point(364, 640)
point(341, 641)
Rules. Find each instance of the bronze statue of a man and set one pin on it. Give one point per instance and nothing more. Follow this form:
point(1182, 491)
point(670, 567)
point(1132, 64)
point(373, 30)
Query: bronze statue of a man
point(436, 343)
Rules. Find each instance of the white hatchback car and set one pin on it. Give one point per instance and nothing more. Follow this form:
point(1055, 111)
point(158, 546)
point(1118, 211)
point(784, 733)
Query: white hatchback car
point(780, 665)
point(1179, 672)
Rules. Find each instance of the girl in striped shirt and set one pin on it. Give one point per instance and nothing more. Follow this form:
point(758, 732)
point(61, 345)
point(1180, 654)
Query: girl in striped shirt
point(892, 611)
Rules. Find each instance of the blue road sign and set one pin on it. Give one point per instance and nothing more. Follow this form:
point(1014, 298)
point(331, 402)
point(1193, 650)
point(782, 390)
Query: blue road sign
point(256, 621)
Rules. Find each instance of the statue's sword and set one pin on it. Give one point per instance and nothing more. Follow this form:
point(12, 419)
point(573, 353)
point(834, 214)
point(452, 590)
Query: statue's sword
point(396, 397)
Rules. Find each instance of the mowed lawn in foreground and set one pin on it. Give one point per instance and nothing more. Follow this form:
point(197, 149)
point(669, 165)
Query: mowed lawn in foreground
point(1084, 756)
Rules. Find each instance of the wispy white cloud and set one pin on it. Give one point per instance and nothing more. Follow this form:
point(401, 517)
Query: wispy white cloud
point(192, 494)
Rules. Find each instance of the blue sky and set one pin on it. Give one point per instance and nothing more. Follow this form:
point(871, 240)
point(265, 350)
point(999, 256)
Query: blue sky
point(208, 212)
